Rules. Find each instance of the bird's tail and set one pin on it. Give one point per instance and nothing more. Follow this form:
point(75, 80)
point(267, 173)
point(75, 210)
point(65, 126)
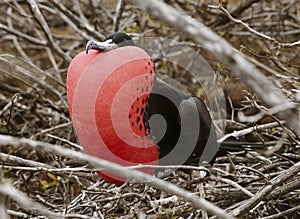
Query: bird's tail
point(234, 145)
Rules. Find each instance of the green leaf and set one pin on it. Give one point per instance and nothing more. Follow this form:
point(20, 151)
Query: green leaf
point(221, 67)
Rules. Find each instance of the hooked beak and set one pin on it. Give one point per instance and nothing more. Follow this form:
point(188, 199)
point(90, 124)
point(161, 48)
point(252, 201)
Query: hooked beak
point(100, 46)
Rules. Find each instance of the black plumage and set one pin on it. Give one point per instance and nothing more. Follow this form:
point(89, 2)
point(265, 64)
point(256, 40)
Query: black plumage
point(180, 124)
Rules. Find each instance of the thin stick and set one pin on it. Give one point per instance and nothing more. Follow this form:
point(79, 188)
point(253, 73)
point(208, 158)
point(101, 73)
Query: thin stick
point(118, 170)
point(222, 50)
point(250, 130)
point(43, 24)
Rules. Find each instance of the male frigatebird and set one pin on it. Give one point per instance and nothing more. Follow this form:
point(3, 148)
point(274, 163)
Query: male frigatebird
point(168, 125)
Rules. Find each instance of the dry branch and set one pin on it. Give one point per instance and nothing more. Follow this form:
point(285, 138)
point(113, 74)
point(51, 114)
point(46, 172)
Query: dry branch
point(28, 204)
point(115, 169)
point(41, 113)
point(263, 194)
point(43, 24)
point(82, 26)
point(23, 36)
point(219, 47)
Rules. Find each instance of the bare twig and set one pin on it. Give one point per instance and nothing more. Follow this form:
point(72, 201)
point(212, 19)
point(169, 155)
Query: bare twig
point(163, 201)
point(51, 169)
point(3, 211)
point(73, 189)
point(24, 201)
point(43, 24)
point(22, 162)
point(244, 5)
point(225, 52)
point(77, 146)
point(116, 169)
point(249, 130)
point(234, 184)
point(23, 74)
point(119, 10)
point(85, 26)
point(256, 33)
point(15, 39)
point(277, 109)
point(283, 213)
point(245, 25)
point(26, 37)
point(290, 45)
point(52, 128)
point(263, 194)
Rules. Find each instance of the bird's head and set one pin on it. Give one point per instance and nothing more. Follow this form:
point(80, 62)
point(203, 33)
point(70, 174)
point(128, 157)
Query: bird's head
point(112, 41)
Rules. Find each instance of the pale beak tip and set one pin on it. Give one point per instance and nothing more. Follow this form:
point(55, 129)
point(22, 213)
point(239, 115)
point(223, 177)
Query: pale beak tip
point(88, 46)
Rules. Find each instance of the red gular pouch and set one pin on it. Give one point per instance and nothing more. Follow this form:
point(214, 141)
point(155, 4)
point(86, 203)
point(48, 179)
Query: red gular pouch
point(107, 96)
